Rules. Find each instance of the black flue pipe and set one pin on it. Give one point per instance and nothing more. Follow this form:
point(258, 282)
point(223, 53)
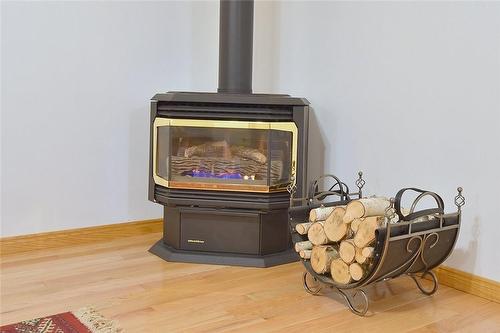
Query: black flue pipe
point(235, 46)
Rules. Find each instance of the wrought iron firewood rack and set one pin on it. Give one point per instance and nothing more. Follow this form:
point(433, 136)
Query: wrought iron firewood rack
point(411, 247)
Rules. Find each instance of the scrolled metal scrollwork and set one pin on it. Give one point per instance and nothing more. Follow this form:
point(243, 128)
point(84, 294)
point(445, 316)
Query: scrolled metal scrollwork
point(349, 299)
point(408, 249)
point(410, 261)
point(313, 290)
point(422, 248)
point(421, 287)
point(418, 253)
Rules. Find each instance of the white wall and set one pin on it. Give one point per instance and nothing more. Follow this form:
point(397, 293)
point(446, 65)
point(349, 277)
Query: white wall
point(76, 82)
point(407, 92)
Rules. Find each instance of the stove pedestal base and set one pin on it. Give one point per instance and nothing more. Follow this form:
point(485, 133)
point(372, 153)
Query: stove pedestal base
point(170, 254)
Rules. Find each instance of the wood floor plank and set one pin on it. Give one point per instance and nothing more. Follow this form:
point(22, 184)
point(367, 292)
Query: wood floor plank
point(482, 317)
point(146, 294)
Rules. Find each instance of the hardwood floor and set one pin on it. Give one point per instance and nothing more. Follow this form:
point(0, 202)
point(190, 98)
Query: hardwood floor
point(146, 294)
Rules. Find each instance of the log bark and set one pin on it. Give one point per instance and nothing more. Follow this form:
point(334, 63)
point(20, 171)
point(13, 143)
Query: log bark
point(321, 258)
point(368, 252)
point(305, 254)
point(334, 228)
point(347, 251)
point(305, 245)
point(303, 228)
point(340, 271)
point(316, 234)
point(357, 271)
point(366, 231)
point(366, 207)
point(320, 213)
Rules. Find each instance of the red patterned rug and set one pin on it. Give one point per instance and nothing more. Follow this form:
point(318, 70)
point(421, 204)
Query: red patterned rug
point(85, 320)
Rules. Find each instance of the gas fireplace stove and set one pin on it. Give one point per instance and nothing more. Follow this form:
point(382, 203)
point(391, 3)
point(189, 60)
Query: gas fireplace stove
point(220, 163)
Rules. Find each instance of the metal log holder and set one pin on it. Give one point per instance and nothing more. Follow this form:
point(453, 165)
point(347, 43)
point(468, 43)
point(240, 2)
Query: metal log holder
point(409, 247)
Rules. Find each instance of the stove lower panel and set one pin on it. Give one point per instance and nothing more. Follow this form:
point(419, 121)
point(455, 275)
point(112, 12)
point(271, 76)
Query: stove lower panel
point(226, 236)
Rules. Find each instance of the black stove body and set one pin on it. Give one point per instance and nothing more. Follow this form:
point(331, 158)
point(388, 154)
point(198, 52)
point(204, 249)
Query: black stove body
point(220, 163)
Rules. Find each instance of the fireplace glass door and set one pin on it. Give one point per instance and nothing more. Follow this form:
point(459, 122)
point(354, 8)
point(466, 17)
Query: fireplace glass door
point(224, 155)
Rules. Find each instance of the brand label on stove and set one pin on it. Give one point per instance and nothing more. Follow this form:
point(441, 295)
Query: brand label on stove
point(199, 241)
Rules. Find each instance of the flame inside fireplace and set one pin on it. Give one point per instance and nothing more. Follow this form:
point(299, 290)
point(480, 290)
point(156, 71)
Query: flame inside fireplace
point(208, 174)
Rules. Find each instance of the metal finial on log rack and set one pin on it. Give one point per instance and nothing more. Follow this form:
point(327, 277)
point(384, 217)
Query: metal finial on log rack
point(390, 212)
point(360, 182)
point(459, 199)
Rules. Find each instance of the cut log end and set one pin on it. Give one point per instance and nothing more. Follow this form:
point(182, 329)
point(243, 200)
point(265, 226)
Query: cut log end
point(316, 234)
point(303, 228)
point(360, 258)
point(305, 254)
point(355, 224)
point(347, 251)
point(340, 271)
point(321, 258)
point(356, 271)
point(366, 231)
point(354, 210)
point(368, 252)
point(334, 227)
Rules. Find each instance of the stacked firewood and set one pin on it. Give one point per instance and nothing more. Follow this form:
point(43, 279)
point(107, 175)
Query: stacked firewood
point(341, 238)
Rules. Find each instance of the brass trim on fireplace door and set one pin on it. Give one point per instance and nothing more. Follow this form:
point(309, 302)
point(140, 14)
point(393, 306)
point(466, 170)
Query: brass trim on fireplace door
point(278, 126)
